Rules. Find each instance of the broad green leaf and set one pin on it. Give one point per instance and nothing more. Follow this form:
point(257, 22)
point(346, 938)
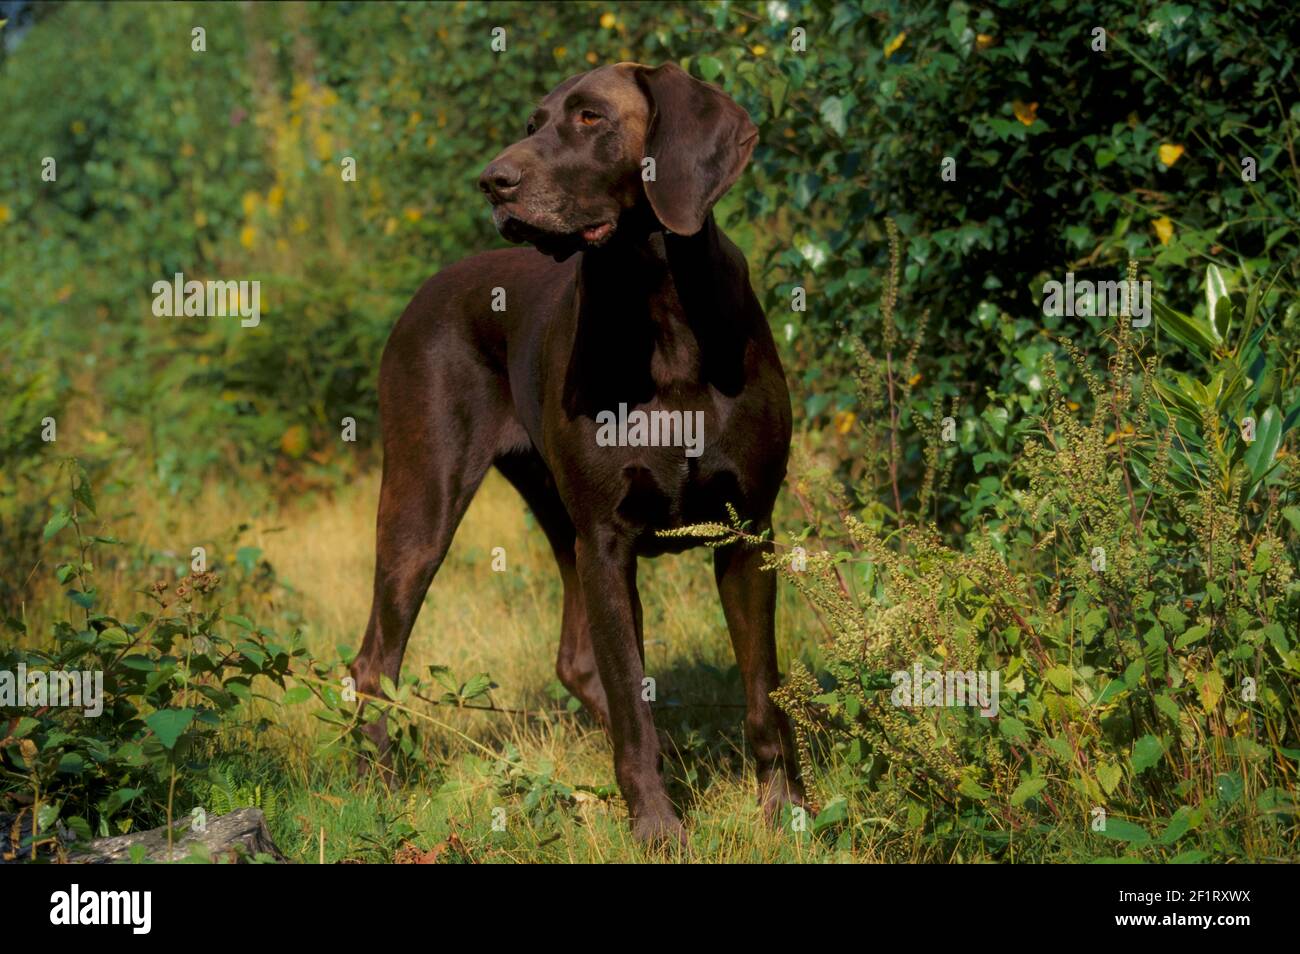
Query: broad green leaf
point(1184, 329)
point(1117, 829)
point(1027, 790)
point(56, 523)
point(1268, 438)
point(833, 114)
point(835, 812)
point(168, 724)
point(1109, 775)
point(710, 67)
point(1193, 634)
point(1013, 729)
point(1147, 751)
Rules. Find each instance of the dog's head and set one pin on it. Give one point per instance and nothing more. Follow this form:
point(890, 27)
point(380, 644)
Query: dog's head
point(577, 174)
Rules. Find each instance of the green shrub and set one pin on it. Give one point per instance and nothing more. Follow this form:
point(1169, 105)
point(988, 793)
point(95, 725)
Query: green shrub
point(169, 683)
point(1134, 589)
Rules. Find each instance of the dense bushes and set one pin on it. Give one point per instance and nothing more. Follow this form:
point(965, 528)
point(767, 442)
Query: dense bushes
point(1131, 591)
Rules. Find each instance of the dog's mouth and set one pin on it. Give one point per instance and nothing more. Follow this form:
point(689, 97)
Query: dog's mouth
point(549, 241)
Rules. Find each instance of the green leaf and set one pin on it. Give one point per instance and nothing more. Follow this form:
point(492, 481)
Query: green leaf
point(1185, 330)
point(1268, 438)
point(1109, 775)
point(710, 67)
point(56, 523)
point(1027, 790)
point(973, 789)
point(168, 724)
point(1228, 786)
point(835, 812)
point(1292, 515)
point(1060, 677)
point(71, 764)
point(242, 622)
point(1177, 827)
point(1060, 748)
point(296, 695)
point(776, 92)
point(1193, 634)
point(1147, 751)
point(1013, 729)
point(1117, 829)
point(1218, 306)
point(833, 113)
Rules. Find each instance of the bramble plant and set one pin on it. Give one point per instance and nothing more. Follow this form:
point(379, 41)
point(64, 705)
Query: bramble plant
point(174, 680)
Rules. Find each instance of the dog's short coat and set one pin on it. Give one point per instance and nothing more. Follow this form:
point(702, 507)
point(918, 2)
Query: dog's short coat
point(632, 295)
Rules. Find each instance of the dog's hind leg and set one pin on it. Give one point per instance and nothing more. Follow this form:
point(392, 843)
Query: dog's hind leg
point(442, 420)
point(576, 662)
point(748, 595)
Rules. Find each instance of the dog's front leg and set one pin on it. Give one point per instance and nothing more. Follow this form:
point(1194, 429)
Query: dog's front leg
point(607, 571)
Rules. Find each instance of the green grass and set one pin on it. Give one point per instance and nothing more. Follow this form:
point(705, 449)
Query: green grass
point(477, 620)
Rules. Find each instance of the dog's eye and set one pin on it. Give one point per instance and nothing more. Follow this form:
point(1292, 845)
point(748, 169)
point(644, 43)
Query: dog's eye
point(589, 118)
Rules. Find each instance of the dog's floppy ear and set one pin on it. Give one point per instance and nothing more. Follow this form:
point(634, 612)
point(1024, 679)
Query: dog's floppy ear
point(700, 140)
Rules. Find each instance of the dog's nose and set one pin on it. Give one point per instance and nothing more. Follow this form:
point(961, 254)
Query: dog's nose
point(500, 181)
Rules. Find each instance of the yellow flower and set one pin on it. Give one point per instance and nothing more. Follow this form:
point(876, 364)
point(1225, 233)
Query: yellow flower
point(892, 46)
point(200, 219)
point(186, 150)
point(251, 199)
point(607, 21)
point(247, 236)
point(983, 41)
point(914, 380)
point(1025, 112)
point(1164, 229)
point(78, 127)
point(5, 214)
point(1169, 154)
point(390, 225)
point(413, 214)
point(844, 421)
point(758, 49)
point(592, 58)
point(275, 198)
point(560, 52)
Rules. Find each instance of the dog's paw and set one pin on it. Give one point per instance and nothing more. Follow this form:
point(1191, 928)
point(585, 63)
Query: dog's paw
point(777, 790)
point(663, 829)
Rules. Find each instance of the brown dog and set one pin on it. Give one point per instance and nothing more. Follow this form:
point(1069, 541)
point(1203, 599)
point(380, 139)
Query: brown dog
point(538, 361)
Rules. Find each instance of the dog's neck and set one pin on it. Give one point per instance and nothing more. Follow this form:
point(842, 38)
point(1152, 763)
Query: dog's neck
point(657, 314)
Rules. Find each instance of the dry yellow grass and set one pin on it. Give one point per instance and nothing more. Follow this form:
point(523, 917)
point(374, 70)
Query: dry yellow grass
point(474, 620)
